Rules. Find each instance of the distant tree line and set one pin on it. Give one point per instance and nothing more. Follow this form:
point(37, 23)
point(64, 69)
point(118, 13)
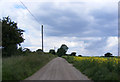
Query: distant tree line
point(12, 37)
point(62, 51)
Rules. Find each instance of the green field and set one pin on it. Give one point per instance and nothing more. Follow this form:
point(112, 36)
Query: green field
point(97, 68)
point(21, 67)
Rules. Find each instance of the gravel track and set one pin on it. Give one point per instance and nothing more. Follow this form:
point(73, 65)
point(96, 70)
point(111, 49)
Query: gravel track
point(58, 69)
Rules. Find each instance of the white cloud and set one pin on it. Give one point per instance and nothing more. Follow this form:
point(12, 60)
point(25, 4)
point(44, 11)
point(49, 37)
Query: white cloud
point(112, 41)
point(33, 37)
point(75, 44)
point(112, 45)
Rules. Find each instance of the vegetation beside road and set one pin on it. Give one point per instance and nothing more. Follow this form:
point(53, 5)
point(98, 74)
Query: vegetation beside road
point(21, 67)
point(97, 68)
point(19, 63)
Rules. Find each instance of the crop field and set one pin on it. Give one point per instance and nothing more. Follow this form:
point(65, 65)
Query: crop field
point(97, 68)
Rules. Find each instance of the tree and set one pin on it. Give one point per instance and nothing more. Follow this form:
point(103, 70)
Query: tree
point(26, 51)
point(108, 54)
point(73, 54)
point(11, 36)
point(52, 51)
point(80, 55)
point(39, 51)
point(62, 50)
point(20, 50)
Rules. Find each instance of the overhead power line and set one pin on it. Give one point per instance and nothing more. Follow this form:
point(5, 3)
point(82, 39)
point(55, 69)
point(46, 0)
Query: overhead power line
point(29, 11)
point(36, 20)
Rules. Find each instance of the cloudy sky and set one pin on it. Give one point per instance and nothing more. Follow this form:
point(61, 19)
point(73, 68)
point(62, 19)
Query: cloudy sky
point(88, 27)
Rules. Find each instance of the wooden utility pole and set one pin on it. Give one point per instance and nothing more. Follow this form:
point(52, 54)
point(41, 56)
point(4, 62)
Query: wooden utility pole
point(42, 37)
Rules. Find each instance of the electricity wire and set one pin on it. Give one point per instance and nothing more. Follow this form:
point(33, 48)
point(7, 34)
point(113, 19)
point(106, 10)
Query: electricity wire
point(29, 11)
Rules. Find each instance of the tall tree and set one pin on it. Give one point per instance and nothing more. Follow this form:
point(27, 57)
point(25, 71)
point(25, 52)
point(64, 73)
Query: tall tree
point(62, 50)
point(11, 36)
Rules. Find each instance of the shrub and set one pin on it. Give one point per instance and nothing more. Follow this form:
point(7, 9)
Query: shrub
point(73, 54)
point(52, 51)
point(108, 55)
point(39, 51)
point(80, 55)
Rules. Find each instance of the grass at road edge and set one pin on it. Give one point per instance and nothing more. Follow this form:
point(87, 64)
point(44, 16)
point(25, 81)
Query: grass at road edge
point(21, 67)
point(95, 71)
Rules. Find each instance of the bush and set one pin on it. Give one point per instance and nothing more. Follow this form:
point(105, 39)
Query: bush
point(80, 55)
point(39, 51)
point(52, 51)
point(73, 54)
point(108, 55)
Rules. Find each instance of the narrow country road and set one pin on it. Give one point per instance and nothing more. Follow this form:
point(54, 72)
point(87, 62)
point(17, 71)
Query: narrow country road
point(58, 69)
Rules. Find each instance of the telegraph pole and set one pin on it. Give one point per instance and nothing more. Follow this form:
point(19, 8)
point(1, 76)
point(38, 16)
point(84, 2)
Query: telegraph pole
point(42, 37)
point(54, 48)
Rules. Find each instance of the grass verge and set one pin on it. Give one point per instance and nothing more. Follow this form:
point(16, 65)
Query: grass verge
point(21, 67)
point(97, 68)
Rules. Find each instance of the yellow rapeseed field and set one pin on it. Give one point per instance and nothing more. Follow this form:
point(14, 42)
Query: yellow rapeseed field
point(98, 59)
point(97, 68)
